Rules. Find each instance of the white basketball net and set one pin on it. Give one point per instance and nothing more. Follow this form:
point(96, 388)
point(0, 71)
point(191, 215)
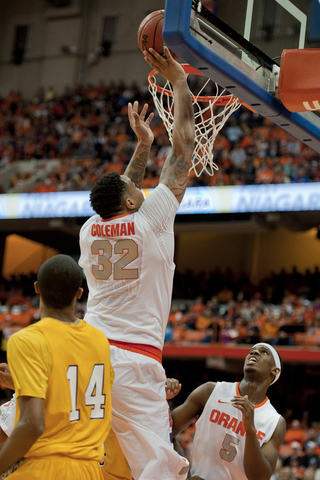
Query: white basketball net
point(209, 119)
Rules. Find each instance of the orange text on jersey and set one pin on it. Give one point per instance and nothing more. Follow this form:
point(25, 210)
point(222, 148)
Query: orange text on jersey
point(223, 419)
point(113, 230)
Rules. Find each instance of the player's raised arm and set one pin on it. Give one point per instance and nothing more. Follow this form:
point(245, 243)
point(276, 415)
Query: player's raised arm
point(141, 127)
point(176, 168)
point(183, 415)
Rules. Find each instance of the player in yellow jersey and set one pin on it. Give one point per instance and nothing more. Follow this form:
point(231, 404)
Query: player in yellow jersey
point(62, 376)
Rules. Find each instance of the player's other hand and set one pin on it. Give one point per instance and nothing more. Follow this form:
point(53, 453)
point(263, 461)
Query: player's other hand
point(173, 387)
point(139, 123)
point(5, 376)
point(169, 68)
point(247, 408)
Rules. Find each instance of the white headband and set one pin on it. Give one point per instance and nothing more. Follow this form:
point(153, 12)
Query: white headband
point(275, 355)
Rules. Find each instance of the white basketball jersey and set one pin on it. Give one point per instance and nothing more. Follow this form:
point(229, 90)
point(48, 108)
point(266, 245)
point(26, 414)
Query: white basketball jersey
point(128, 262)
point(7, 415)
point(218, 448)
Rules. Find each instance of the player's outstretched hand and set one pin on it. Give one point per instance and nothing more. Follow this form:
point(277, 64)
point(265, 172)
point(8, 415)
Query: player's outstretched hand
point(5, 376)
point(173, 387)
point(139, 124)
point(169, 68)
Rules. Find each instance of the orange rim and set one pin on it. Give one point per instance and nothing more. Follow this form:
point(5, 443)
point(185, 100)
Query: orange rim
point(220, 101)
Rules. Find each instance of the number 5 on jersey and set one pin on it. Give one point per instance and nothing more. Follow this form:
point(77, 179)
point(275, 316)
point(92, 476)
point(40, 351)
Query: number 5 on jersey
point(228, 452)
point(93, 394)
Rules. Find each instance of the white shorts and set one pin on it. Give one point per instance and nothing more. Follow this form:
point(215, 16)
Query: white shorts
point(140, 417)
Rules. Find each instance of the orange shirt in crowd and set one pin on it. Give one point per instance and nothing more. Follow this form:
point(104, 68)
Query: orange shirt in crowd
point(294, 435)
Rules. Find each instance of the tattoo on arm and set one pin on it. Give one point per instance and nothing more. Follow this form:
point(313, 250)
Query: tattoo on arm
point(137, 166)
point(175, 174)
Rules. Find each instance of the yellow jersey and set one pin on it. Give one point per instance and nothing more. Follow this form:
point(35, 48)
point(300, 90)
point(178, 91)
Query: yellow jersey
point(68, 365)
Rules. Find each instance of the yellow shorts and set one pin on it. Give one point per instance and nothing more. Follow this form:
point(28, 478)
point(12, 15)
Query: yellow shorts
point(53, 468)
point(115, 464)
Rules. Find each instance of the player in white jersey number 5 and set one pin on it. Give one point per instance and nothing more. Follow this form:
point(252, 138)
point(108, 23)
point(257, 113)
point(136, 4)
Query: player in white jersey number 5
point(127, 255)
point(239, 433)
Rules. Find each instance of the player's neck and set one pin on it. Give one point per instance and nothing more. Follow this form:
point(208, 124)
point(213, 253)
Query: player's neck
point(65, 315)
point(256, 390)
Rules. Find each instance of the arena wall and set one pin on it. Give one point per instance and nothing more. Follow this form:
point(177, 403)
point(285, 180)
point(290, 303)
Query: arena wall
point(52, 31)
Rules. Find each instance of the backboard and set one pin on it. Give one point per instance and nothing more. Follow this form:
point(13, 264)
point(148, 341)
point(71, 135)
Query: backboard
point(238, 44)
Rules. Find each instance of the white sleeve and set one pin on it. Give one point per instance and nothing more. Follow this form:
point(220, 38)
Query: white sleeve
point(7, 416)
point(160, 208)
point(82, 234)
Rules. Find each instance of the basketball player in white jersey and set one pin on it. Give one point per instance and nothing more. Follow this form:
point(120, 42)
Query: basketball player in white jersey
point(238, 433)
point(127, 255)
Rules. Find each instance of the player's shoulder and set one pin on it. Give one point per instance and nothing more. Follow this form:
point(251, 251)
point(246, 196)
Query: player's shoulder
point(161, 190)
point(28, 332)
point(30, 335)
point(89, 222)
point(209, 387)
point(202, 393)
point(280, 431)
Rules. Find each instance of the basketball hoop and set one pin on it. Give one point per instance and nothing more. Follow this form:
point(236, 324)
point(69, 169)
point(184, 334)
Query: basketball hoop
point(208, 119)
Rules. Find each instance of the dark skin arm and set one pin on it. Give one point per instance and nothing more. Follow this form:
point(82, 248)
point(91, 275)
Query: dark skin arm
point(141, 127)
point(259, 462)
point(3, 436)
point(176, 167)
point(29, 428)
point(183, 415)
point(5, 376)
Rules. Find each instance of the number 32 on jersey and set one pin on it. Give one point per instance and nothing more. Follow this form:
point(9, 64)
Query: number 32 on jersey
point(105, 250)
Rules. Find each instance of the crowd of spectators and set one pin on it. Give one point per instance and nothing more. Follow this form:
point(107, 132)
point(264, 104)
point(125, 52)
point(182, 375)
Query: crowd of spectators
point(300, 452)
point(283, 309)
point(88, 130)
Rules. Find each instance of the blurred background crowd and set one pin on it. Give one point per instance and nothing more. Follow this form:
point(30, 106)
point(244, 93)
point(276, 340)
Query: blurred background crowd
point(85, 132)
point(223, 307)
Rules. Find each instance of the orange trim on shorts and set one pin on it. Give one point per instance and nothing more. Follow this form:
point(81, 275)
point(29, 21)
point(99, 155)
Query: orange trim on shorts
point(112, 218)
point(256, 406)
point(147, 350)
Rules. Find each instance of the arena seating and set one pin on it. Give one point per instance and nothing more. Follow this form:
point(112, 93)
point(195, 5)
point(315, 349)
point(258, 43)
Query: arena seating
point(85, 133)
point(282, 310)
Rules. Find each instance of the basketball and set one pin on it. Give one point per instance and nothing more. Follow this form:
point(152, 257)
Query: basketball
point(150, 33)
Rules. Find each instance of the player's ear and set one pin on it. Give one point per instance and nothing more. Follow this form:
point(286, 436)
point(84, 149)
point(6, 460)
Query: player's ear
point(36, 287)
point(130, 203)
point(275, 370)
point(79, 293)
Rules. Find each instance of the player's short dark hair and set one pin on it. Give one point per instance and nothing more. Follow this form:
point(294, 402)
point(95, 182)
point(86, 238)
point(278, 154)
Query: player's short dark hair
point(59, 279)
point(106, 196)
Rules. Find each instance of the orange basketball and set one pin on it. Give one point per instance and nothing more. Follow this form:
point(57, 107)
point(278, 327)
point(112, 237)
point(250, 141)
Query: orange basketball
point(150, 33)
